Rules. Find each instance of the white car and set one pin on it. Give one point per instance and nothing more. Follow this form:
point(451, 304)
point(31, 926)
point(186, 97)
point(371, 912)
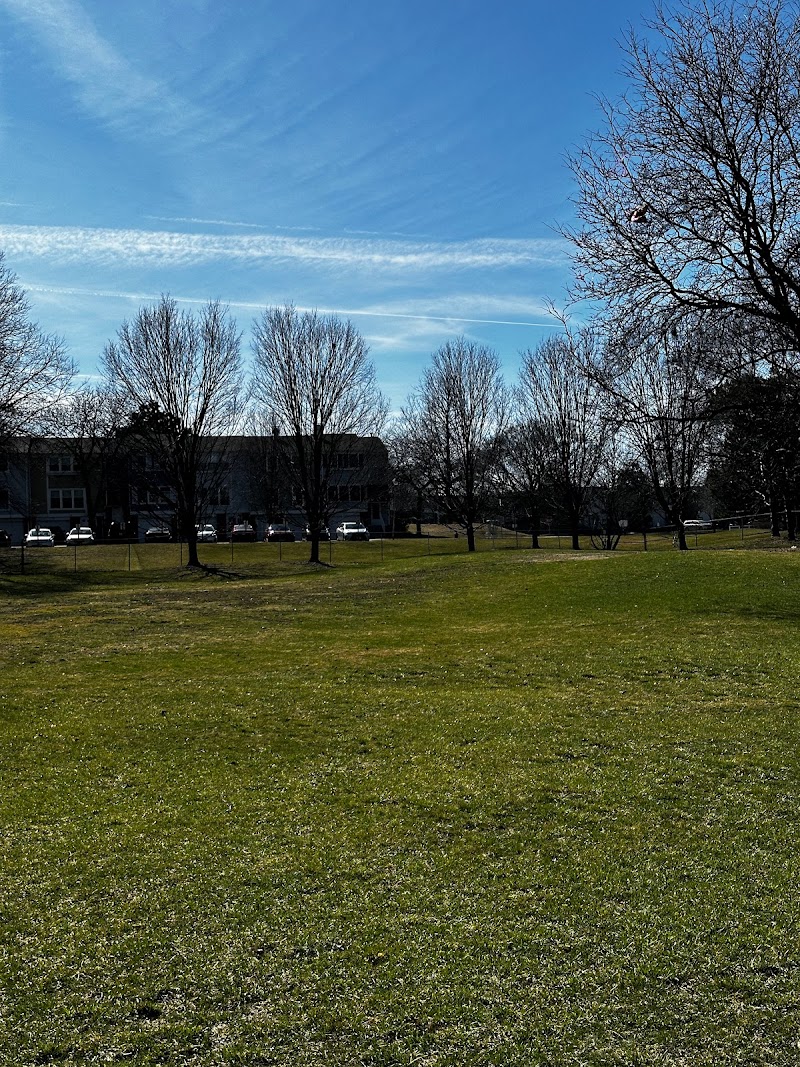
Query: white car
point(80, 535)
point(352, 531)
point(39, 537)
point(207, 533)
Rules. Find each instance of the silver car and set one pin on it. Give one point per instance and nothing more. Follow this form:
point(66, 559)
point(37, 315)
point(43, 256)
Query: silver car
point(80, 535)
point(352, 531)
point(39, 537)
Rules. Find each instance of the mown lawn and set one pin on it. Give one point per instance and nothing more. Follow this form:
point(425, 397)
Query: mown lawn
point(507, 809)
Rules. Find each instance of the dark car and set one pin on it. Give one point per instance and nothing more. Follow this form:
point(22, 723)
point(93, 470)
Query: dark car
point(243, 531)
point(324, 533)
point(5, 539)
point(157, 533)
point(278, 531)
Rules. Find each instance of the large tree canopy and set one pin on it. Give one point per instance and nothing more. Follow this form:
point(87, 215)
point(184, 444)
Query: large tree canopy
point(690, 195)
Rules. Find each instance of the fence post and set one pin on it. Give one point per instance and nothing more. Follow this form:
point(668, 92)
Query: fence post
point(644, 539)
point(129, 556)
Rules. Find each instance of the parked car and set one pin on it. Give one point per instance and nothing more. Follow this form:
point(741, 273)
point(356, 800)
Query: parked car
point(352, 531)
point(5, 539)
point(80, 535)
point(39, 537)
point(207, 533)
point(324, 533)
point(158, 533)
point(278, 531)
point(697, 525)
point(243, 531)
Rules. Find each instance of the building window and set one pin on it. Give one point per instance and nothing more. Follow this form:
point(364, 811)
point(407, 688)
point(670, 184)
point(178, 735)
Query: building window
point(3, 499)
point(153, 498)
point(349, 460)
point(219, 498)
point(60, 465)
point(66, 500)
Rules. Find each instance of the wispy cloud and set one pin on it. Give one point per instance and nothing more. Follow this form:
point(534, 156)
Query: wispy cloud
point(443, 313)
point(193, 221)
point(107, 85)
point(168, 249)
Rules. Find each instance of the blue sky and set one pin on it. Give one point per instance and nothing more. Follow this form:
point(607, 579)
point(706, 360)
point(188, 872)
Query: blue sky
point(398, 162)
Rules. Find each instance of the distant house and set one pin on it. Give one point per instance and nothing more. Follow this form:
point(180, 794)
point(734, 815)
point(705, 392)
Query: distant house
point(55, 483)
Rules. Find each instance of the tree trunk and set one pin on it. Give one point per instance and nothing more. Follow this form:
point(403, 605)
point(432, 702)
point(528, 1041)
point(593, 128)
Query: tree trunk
point(470, 537)
point(791, 522)
point(191, 544)
point(314, 557)
point(775, 520)
point(534, 538)
point(574, 527)
point(674, 518)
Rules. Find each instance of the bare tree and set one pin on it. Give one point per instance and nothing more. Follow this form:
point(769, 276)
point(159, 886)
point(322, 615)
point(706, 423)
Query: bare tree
point(526, 468)
point(623, 496)
point(182, 376)
point(659, 385)
point(410, 472)
point(563, 404)
point(89, 425)
point(34, 368)
point(316, 385)
point(689, 198)
point(454, 425)
point(756, 462)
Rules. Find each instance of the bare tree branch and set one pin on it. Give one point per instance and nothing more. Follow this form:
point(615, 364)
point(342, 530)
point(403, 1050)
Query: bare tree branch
point(35, 371)
point(689, 198)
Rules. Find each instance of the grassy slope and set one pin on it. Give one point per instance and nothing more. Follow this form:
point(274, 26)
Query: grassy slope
point(444, 811)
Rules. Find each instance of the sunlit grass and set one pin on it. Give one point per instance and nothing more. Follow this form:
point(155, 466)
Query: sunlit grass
point(513, 808)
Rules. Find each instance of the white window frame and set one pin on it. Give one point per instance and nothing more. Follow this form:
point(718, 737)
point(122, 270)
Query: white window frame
point(60, 465)
point(77, 500)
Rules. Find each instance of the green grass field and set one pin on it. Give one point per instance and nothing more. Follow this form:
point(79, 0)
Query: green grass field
point(514, 808)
